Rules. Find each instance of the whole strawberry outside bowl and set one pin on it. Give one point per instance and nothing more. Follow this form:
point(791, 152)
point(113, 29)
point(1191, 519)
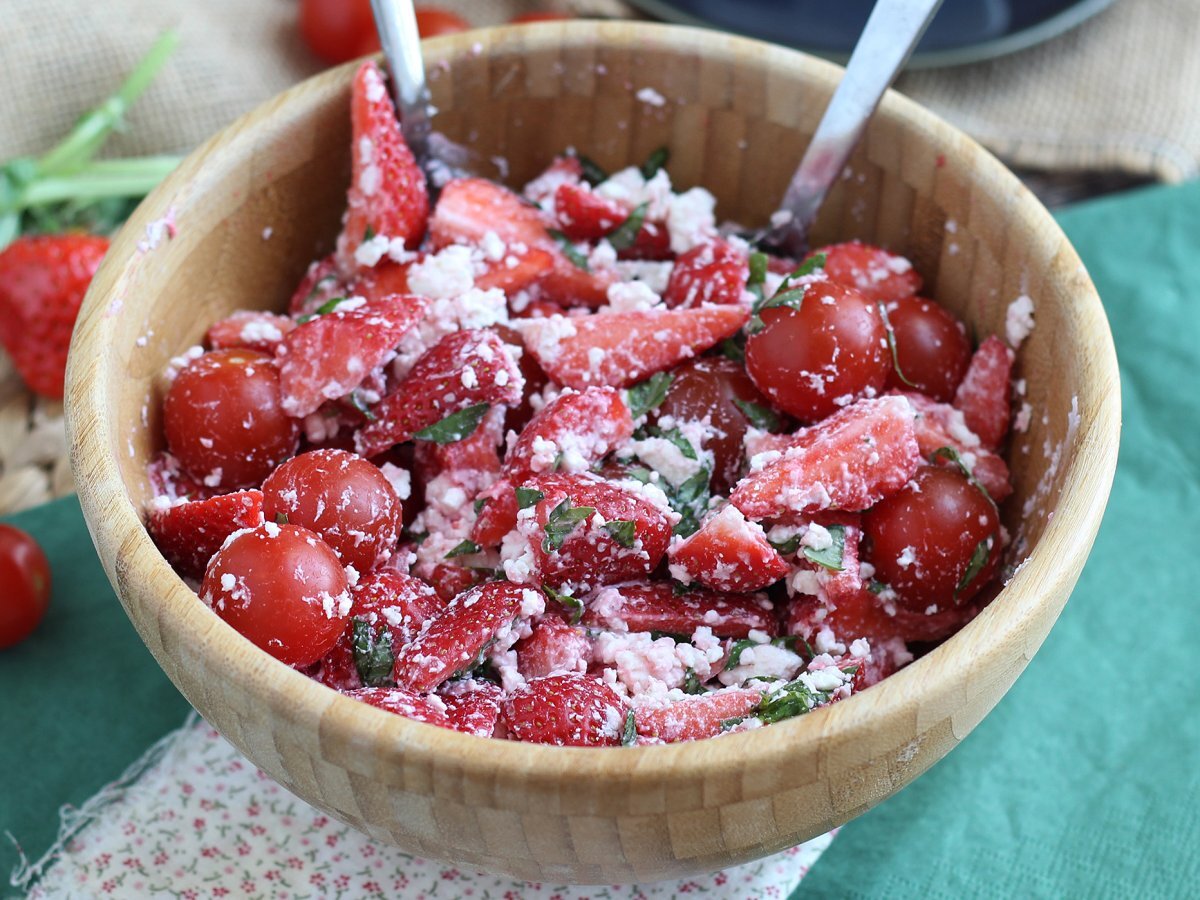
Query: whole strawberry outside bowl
point(262, 199)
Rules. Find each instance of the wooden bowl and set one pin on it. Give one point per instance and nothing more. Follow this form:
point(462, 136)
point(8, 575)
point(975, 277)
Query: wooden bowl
point(252, 207)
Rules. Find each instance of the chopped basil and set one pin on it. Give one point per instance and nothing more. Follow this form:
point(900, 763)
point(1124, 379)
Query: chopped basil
point(639, 473)
point(690, 500)
point(726, 724)
point(623, 236)
point(654, 162)
point(810, 265)
point(570, 251)
point(831, 556)
point(368, 233)
point(758, 415)
point(480, 503)
point(975, 565)
point(734, 348)
point(677, 638)
point(675, 436)
point(623, 531)
point(527, 497)
point(629, 731)
point(281, 518)
point(758, 270)
point(891, 340)
point(323, 310)
point(955, 457)
point(691, 682)
point(417, 537)
point(793, 699)
point(791, 545)
point(464, 548)
point(562, 521)
point(592, 173)
point(646, 395)
point(785, 295)
point(788, 642)
point(455, 427)
point(876, 587)
point(572, 604)
point(354, 398)
point(373, 656)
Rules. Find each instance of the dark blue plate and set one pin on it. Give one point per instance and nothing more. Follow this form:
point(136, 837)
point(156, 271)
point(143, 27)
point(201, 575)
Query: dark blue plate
point(963, 31)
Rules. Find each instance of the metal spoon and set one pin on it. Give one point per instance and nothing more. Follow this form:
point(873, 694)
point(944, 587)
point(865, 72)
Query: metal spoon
point(891, 33)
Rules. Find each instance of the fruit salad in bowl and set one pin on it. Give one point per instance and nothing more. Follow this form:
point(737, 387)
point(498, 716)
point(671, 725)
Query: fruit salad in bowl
point(576, 464)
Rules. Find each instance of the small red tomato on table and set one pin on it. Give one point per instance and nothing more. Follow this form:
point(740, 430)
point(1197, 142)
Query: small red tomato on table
point(24, 585)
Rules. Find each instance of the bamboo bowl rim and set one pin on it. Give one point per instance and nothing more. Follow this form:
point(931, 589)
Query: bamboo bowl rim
point(944, 673)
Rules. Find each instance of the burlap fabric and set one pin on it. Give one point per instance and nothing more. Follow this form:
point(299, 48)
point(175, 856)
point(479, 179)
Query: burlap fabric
point(1121, 92)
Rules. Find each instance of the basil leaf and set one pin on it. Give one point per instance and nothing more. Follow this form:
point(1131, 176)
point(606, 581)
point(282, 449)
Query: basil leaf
point(646, 395)
point(479, 504)
point(975, 565)
point(354, 398)
point(572, 604)
point(726, 724)
point(793, 699)
point(465, 548)
point(891, 341)
point(527, 497)
point(955, 457)
point(639, 473)
point(690, 500)
point(323, 310)
point(758, 269)
point(368, 233)
point(734, 348)
point(735, 652)
point(758, 415)
point(791, 545)
point(455, 427)
point(570, 251)
point(629, 732)
point(562, 521)
point(623, 236)
point(876, 587)
point(831, 556)
point(623, 531)
point(675, 436)
point(417, 537)
point(810, 265)
point(373, 657)
point(691, 682)
point(654, 162)
point(593, 174)
point(281, 518)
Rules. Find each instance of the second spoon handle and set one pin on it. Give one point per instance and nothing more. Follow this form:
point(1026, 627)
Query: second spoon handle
point(891, 33)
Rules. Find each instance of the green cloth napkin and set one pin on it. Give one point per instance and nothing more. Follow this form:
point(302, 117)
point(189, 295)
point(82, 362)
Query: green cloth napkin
point(1085, 780)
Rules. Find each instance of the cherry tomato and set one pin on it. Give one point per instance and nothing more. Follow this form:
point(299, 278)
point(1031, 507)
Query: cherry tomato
point(814, 360)
point(545, 15)
point(283, 589)
point(433, 20)
point(713, 386)
point(223, 420)
point(24, 585)
point(924, 540)
point(335, 30)
point(343, 498)
point(932, 349)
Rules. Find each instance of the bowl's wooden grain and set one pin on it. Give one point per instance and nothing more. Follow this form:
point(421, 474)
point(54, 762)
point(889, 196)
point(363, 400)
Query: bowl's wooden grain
point(737, 118)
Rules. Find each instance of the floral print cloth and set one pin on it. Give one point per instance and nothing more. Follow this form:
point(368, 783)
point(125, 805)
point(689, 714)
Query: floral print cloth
point(197, 820)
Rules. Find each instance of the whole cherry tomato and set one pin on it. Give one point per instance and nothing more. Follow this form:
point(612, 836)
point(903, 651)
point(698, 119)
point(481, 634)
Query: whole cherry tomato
point(932, 350)
point(24, 585)
point(431, 21)
point(335, 30)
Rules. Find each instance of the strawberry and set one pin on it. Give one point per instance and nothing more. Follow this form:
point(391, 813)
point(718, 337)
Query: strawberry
point(167, 479)
point(848, 461)
point(714, 272)
point(42, 282)
point(693, 718)
point(189, 533)
point(319, 285)
point(655, 606)
point(728, 553)
point(454, 638)
point(251, 329)
point(584, 215)
point(553, 648)
point(623, 348)
point(387, 196)
point(562, 170)
point(572, 432)
point(383, 280)
point(846, 582)
point(450, 580)
point(472, 706)
point(400, 603)
point(497, 515)
point(419, 707)
point(565, 710)
point(983, 394)
point(330, 355)
point(472, 464)
point(337, 669)
point(877, 274)
point(854, 616)
point(465, 368)
point(513, 271)
point(587, 529)
point(940, 425)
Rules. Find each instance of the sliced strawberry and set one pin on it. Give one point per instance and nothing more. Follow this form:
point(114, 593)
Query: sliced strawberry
point(571, 433)
point(387, 196)
point(250, 329)
point(562, 170)
point(320, 284)
point(338, 669)
point(860, 615)
point(694, 718)
point(472, 706)
point(473, 463)
point(189, 533)
point(714, 272)
point(497, 514)
point(655, 606)
point(653, 242)
point(419, 707)
point(846, 582)
point(565, 710)
point(330, 355)
point(553, 648)
point(624, 536)
point(383, 280)
point(983, 395)
point(513, 271)
point(584, 215)
point(389, 599)
point(42, 282)
point(469, 209)
point(848, 461)
point(623, 348)
point(568, 285)
point(167, 479)
point(450, 580)
point(940, 425)
point(728, 553)
point(877, 274)
point(453, 639)
point(464, 369)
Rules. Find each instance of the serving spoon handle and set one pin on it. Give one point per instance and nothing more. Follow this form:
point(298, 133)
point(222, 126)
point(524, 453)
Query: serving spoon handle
point(891, 33)
point(396, 22)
